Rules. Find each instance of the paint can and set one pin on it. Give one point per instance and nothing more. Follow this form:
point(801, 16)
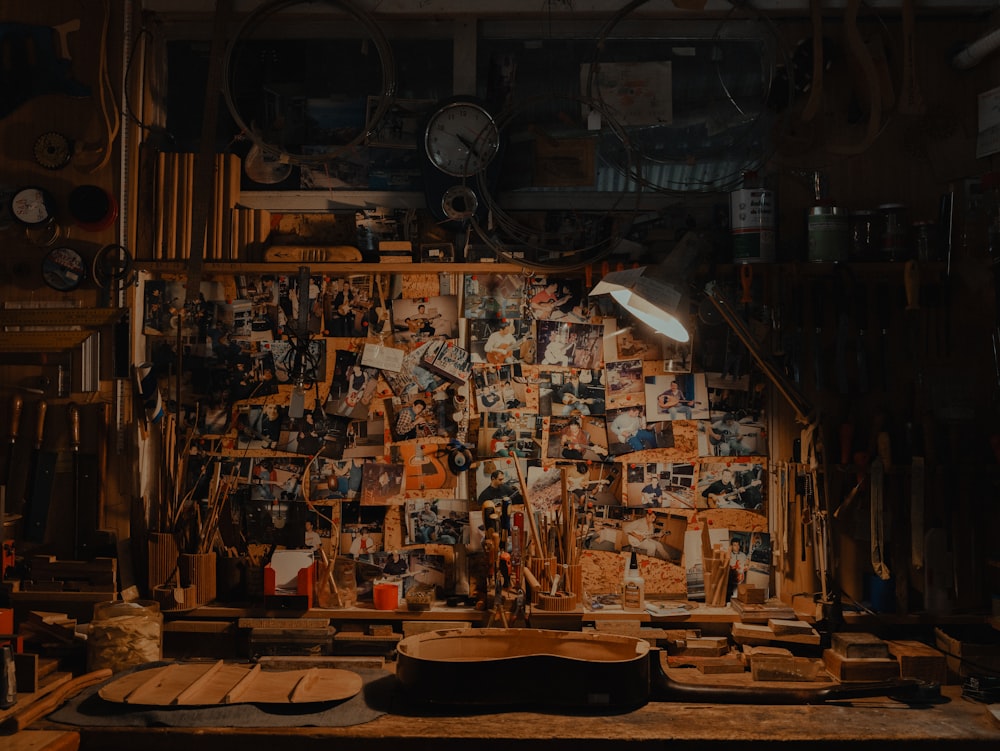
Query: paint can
point(829, 234)
point(751, 222)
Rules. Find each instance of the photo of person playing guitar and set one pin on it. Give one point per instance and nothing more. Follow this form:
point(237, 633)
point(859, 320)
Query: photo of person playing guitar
point(674, 403)
point(501, 345)
point(725, 493)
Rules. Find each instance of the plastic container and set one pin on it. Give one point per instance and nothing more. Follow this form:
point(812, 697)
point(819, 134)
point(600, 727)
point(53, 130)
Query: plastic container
point(124, 635)
point(633, 588)
point(752, 222)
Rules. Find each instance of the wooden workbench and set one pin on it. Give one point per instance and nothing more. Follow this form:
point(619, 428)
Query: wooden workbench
point(863, 724)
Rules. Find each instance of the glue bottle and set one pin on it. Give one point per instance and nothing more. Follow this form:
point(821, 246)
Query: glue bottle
point(634, 587)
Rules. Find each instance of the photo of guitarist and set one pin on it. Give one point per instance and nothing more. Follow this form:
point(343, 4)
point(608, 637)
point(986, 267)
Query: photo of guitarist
point(724, 435)
point(674, 403)
point(578, 397)
point(726, 493)
point(501, 345)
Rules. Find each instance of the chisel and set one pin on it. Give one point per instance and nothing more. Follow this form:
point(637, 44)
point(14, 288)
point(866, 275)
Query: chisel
point(40, 473)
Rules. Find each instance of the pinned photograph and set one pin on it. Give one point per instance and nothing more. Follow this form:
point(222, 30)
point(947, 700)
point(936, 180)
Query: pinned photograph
point(660, 485)
point(627, 342)
point(557, 300)
point(577, 392)
point(381, 483)
point(628, 431)
point(502, 341)
point(570, 345)
point(624, 383)
point(510, 434)
point(352, 386)
point(425, 318)
point(577, 438)
point(335, 479)
point(425, 465)
point(676, 396)
point(732, 485)
point(492, 297)
point(440, 521)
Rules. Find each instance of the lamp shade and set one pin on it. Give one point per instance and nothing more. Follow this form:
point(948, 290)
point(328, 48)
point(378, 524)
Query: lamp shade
point(650, 300)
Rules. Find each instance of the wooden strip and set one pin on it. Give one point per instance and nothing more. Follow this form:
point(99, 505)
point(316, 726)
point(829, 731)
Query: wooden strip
point(241, 687)
point(159, 204)
point(304, 685)
point(188, 694)
point(170, 201)
point(145, 692)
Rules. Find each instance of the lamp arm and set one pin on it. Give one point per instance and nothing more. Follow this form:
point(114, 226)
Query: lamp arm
point(803, 410)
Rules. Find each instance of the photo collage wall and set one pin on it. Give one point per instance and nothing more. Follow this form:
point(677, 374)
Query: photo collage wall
point(417, 393)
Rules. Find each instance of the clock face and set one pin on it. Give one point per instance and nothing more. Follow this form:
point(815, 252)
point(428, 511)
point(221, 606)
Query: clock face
point(31, 206)
point(461, 139)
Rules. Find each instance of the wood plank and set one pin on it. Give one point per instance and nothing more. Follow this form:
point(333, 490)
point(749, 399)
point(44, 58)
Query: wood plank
point(860, 668)
point(919, 660)
point(853, 644)
point(202, 684)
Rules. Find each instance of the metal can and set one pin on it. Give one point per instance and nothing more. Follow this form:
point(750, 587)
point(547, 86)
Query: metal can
point(751, 221)
point(828, 234)
point(893, 226)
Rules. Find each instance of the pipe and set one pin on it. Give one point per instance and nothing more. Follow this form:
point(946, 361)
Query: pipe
point(974, 52)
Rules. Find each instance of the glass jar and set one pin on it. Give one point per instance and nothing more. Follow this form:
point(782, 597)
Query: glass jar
point(865, 235)
point(925, 241)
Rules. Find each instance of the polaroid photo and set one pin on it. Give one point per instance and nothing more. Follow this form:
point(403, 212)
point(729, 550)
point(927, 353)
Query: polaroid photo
point(436, 521)
point(577, 438)
point(425, 318)
point(493, 297)
point(501, 341)
point(676, 396)
point(381, 484)
point(660, 485)
point(576, 392)
point(569, 345)
point(624, 383)
point(733, 485)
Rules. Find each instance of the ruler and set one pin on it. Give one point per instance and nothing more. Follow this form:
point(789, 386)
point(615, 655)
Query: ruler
point(42, 341)
point(61, 317)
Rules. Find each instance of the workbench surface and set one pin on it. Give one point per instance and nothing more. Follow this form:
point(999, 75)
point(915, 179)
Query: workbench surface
point(863, 724)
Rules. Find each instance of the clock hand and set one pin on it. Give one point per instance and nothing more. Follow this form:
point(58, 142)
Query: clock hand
point(468, 144)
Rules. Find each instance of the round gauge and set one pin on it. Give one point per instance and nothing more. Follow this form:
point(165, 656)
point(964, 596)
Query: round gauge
point(32, 206)
point(53, 150)
point(63, 269)
point(461, 138)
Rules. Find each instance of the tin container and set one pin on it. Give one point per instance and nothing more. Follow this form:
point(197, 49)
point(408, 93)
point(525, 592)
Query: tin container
point(829, 234)
point(751, 222)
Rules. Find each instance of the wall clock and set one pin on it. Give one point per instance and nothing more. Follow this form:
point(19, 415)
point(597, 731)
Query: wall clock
point(460, 153)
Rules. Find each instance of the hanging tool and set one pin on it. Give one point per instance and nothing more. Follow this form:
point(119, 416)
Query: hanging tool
point(812, 106)
point(879, 554)
point(872, 95)
point(819, 310)
point(41, 471)
point(911, 100)
point(7, 558)
point(73, 415)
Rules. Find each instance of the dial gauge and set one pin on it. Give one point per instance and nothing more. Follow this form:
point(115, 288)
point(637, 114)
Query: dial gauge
point(31, 206)
point(461, 138)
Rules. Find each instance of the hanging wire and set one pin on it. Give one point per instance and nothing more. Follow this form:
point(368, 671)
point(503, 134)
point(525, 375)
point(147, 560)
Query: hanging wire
point(385, 98)
point(544, 249)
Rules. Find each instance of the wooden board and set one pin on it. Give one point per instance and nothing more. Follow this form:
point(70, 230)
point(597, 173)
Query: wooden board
point(200, 684)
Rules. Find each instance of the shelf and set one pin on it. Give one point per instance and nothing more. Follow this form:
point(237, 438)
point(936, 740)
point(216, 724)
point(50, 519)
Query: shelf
point(239, 267)
point(64, 318)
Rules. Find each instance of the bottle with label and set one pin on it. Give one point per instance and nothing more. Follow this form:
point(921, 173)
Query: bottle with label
point(634, 587)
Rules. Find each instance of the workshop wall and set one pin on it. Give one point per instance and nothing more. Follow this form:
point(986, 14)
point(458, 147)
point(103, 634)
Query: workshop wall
point(350, 397)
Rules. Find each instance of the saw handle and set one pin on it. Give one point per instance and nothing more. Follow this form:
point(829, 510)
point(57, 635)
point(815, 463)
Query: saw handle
point(16, 407)
point(73, 414)
point(911, 283)
point(42, 408)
